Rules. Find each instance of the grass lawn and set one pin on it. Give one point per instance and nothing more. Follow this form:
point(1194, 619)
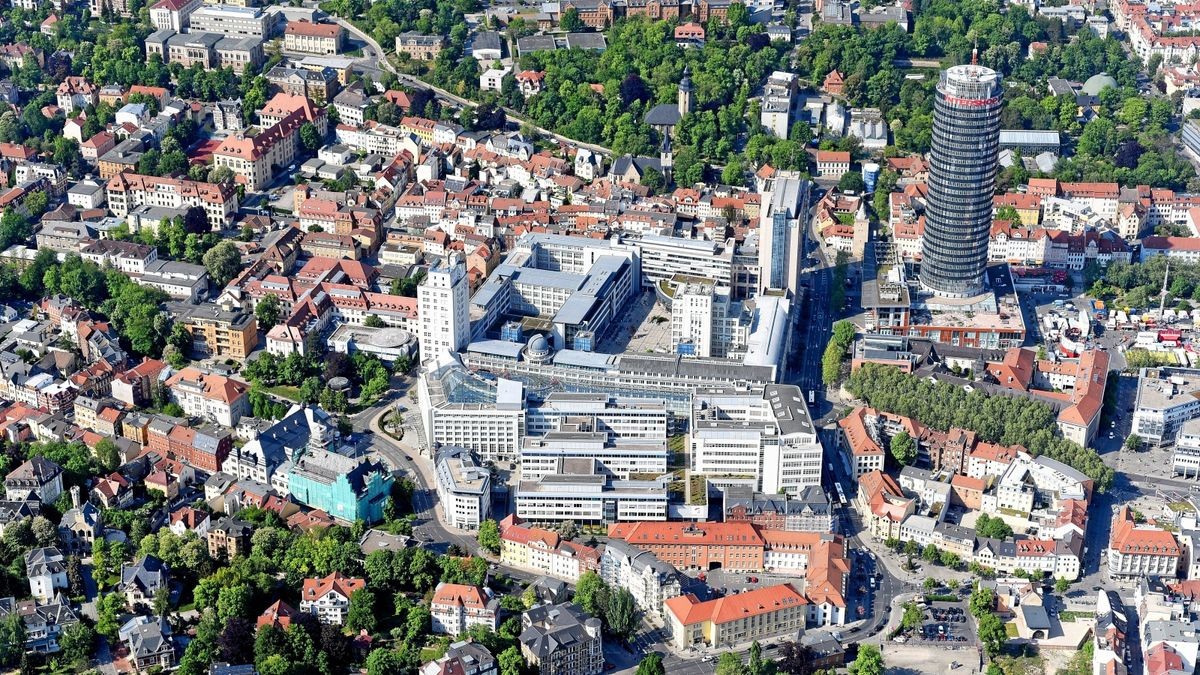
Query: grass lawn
point(699, 490)
point(285, 391)
point(1181, 507)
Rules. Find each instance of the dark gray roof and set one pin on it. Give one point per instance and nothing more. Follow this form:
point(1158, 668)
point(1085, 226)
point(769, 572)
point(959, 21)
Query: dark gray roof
point(665, 115)
point(486, 39)
point(551, 628)
point(593, 41)
point(1035, 617)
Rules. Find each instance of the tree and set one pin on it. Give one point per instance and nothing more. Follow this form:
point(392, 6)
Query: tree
point(903, 448)
point(76, 642)
point(373, 321)
point(654, 180)
point(489, 535)
point(621, 613)
point(570, 21)
point(223, 262)
point(268, 311)
point(12, 639)
point(992, 527)
point(982, 601)
point(108, 453)
point(651, 665)
point(588, 592)
point(1133, 443)
point(912, 616)
point(930, 583)
point(109, 608)
point(852, 181)
point(992, 633)
point(757, 665)
point(236, 641)
point(869, 661)
point(1061, 585)
point(310, 138)
point(730, 663)
point(510, 661)
point(361, 615)
point(929, 553)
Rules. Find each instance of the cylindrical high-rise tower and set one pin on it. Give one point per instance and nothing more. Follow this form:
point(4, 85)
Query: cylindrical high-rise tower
point(962, 181)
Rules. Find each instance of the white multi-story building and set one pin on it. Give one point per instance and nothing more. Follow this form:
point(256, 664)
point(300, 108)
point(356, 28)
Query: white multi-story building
point(705, 321)
point(664, 257)
point(580, 491)
point(622, 458)
point(210, 396)
point(762, 433)
point(617, 417)
point(454, 608)
point(329, 598)
point(231, 21)
point(463, 409)
point(127, 191)
point(443, 304)
point(778, 98)
point(1186, 459)
point(1166, 398)
point(650, 580)
point(464, 488)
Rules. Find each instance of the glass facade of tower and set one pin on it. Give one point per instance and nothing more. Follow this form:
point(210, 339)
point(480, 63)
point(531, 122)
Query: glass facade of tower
point(962, 181)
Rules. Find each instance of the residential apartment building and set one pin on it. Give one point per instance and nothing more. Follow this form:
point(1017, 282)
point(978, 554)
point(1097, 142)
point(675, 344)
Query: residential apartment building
point(562, 640)
point(736, 620)
point(457, 607)
point(544, 552)
point(464, 488)
point(127, 191)
point(210, 396)
point(216, 333)
point(229, 537)
point(328, 598)
point(419, 47)
point(763, 433)
point(809, 511)
point(650, 580)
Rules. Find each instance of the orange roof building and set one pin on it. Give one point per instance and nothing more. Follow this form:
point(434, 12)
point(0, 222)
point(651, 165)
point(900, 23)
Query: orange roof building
point(329, 598)
point(278, 615)
point(735, 619)
point(1141, 550)
point(736, 546)
point(457, 607)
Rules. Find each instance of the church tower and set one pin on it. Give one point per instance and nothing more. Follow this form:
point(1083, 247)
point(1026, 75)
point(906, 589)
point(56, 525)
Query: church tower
point(666, 158)
point(685, 92)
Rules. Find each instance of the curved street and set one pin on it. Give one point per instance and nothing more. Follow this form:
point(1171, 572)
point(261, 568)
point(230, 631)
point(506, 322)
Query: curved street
point(382, 59)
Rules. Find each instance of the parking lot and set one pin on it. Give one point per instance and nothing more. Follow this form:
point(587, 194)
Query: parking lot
point(944, 624)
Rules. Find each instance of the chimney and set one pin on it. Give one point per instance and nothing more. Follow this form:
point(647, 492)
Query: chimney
point(75, 496)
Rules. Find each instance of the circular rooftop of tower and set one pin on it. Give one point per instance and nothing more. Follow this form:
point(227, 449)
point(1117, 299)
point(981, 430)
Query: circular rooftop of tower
point(970, 82)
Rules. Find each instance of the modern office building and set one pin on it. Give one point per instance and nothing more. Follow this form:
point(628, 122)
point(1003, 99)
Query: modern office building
point(962, 179)
point(464, 488)
point(616, 417)
point(442, 305)
point(1166, 399)
point(580, 490)
point(565, 287)
point(781, 228)
point(763, 437)
point(461, 408)
point(621, 458)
